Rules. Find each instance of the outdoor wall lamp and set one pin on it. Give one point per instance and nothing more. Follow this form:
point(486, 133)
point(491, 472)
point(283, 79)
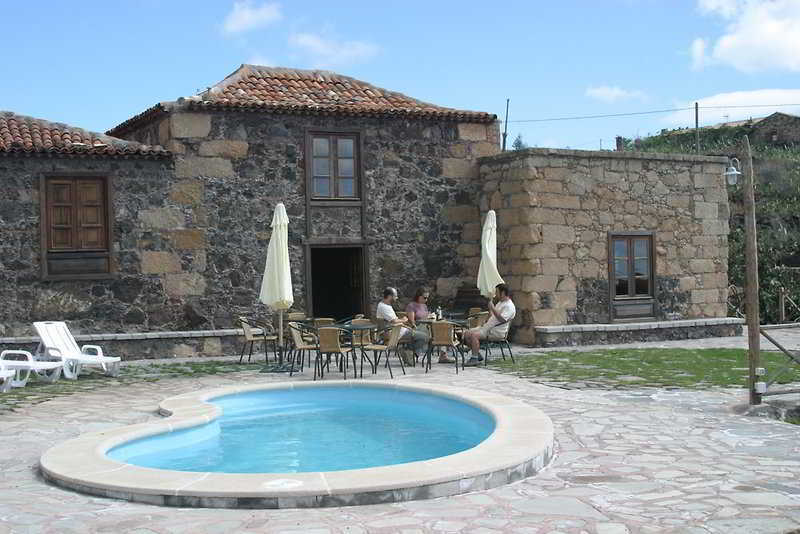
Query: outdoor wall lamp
point(732, 173)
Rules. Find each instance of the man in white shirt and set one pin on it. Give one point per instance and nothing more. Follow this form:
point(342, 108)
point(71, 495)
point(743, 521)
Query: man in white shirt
point(418, 340)
point(496, 327)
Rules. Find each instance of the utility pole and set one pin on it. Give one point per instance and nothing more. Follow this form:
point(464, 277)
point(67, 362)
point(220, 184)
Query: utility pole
point(697, 127)
point(751, 277)
point(505, 128)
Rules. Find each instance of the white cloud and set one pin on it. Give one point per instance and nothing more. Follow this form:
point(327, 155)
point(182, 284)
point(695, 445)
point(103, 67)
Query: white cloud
point(612, 93)
point(258, 59)
point(698, 53)
point(769, 98)
point(247, 16)
point(724, 8)
point(325, 52)
point(760, 34)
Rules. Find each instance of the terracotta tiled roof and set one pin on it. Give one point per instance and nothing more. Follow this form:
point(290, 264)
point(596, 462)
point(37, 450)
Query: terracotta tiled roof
point(27, 135)
point(307, 92)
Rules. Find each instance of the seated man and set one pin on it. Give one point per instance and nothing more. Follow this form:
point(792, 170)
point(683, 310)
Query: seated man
point(419, 340)
point(496, 327)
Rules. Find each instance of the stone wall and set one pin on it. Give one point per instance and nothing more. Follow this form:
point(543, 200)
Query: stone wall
point(191, 232)
point(157, 246)
point(420, 189)
point(555, 209)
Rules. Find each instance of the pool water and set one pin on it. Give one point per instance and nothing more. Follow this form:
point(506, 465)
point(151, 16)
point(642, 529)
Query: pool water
point(315, 429)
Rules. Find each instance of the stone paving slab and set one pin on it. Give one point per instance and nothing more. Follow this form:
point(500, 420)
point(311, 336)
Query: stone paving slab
point(635, 461)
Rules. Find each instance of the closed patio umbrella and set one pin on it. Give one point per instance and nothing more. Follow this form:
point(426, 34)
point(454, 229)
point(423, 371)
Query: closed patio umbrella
point(276, 286)
point(488, 277)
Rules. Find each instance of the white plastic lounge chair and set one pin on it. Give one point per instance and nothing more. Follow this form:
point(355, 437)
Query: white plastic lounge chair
point(21, 363)
point(57, 343)
point(5, 375)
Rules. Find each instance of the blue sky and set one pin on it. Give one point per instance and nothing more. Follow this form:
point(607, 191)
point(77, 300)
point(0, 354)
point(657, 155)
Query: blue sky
point(94, 64)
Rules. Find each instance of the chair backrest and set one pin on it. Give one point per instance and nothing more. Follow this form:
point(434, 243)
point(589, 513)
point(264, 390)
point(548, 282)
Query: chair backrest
point(295, 316)
point(56, 335)
point(247, 328)
point(324, 321)
point(329, 340)
point(394, 337)
point(478, 319)
point(297, 334)
point(361, 337)
point(474, 311)
point(442, 333)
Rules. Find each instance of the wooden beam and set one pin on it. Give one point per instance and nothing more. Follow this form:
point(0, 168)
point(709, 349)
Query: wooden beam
point(751, 276)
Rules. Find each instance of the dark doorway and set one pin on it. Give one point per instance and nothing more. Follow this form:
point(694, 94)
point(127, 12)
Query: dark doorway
point(337, 281)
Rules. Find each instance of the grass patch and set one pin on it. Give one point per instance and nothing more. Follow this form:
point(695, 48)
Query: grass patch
point(37, 391)
point(688, 368)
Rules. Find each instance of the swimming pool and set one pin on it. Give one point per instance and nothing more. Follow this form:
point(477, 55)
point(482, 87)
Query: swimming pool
point(315, 429)
point(309, 444)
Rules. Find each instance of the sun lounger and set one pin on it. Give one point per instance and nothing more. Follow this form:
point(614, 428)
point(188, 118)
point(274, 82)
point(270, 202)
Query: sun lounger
point(5, 376)
point(21, 363)
point(57, 343)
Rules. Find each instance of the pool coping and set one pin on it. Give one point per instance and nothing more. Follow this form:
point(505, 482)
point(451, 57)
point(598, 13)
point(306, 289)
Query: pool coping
point(521, 445)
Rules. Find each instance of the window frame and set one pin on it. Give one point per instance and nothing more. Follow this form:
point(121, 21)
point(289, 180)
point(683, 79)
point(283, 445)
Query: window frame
point(331, 134)
point(44, 229)
point(616, 301)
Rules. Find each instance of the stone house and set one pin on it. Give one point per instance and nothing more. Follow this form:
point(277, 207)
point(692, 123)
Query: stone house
point(376, 185)
point(778, 129)
point(159, 227)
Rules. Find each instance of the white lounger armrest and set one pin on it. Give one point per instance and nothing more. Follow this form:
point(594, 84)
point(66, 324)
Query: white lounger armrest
point(96, 350)
point(28, 356)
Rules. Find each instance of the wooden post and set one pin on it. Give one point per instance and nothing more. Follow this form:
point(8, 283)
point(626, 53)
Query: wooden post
point(781, 304)
point(697, 127)
point(751, 276)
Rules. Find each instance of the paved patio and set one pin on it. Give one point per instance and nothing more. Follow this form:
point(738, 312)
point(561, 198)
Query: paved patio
point(628, 461)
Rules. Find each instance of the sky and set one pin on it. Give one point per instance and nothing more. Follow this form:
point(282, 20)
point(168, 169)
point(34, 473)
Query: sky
point(94, 64)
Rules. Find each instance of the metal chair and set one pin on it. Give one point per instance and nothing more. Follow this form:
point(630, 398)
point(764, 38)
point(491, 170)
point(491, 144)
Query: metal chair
point(267, 335)
point(378, 349)
point(329, 344)
point(501, 343)
point(299, 347)
point(443, 335)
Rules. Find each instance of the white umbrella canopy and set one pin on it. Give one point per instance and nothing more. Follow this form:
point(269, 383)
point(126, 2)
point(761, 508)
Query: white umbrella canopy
point(276, 286)
point(488, 276)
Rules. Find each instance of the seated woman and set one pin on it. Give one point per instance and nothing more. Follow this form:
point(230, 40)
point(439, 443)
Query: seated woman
point(417, 310)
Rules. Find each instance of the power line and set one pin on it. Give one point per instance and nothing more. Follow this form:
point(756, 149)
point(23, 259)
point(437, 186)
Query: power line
point(602, 116)
point(652, 112)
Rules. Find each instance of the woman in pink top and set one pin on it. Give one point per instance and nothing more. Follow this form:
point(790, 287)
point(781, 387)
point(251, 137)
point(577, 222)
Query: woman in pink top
point(418, 309)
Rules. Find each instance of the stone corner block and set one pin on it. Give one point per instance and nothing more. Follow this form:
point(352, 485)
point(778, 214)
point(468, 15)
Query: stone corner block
point(159, 262)
point(191, 167)
point(190, 124)
point(225, 148)
point(162, 218)
point(459, 168)
point(469, 131)
point(192, 238)
point(188, 192)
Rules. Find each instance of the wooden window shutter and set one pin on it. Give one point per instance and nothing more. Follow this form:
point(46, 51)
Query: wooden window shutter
point(91, 215)
point(61, 214)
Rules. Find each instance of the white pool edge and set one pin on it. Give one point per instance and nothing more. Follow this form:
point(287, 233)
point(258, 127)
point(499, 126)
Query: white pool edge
point(521, 445)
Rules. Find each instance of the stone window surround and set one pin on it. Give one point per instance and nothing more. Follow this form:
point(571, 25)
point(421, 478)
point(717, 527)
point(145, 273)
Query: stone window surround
point(44, 242)
point(615, 300)
point(358, 168)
